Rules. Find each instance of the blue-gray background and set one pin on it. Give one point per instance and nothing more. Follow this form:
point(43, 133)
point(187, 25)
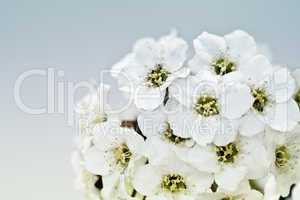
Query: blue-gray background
point(83, 37)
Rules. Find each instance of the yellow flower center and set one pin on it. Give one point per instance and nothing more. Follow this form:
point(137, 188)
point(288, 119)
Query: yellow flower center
point(99, 118)
point(282, 156)
point(157, 77)
point(260, 99)
point(223, 66)
point(207, 106)
point(173, 183)
point(227, 154)
point(122, 155)
point(169, 135)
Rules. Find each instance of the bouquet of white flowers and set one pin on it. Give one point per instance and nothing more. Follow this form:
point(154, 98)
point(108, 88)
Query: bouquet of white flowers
point(222, 124)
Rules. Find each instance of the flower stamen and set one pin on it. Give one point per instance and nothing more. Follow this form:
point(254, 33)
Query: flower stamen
point(297, 98)
point(207, 106)
point(173, 183)
point(223, 66)
point(157, 77)
point(122, 155)
point(99, 118)
point(227, 198)
point(282, 156)
point(260, 99)
point(227, 154)
point(169, 135)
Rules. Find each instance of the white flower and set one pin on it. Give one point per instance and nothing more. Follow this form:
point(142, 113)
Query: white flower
point(91, 111)
point(114, 148)
point(245, 158)
point(222, 126)
point(162, 138)
point(112, 187)
point(123, 63)
point(129, 113)
point(172, 180)
point(119, 186)
point(273, 104)
point(151, 68)
point(284, 152)
point(235, 52)
point(85, 181)
point(96, 187)
point(209, 110)
point(128, 190)
point(243, 193)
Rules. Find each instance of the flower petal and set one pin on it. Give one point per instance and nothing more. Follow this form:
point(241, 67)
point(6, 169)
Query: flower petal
point(156, 150)
point(118, 67)
point(134, 141)
point(255, 195)
point(210, 196)
point(204, 130)
point(146, 52)
point(131, 76)
point(257, 68)
point(158, 197)
point(212, 44)
point(254, 151)
point(236, 100)
point(149, 98)
point(181, 73)
point(106, 135)
point(203, 159)
point(96, 162)
point(283, 85)
point(233, 77)
point(270, 190)
point(226, 132)
point(146, 180)
point(284, 116)
point(182, 90)
point(200, 181)
point(200, 62)
point(230, 178)
point(152, 122)
point(174, 51)
point(251, 125)
point(184, 197)
point(241, 45)
point(180, 119)
point(111, 183)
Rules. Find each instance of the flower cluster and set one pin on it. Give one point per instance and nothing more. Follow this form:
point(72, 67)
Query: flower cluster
point(222, 124)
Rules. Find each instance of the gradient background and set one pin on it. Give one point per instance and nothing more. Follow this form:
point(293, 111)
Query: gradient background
point(83, 37)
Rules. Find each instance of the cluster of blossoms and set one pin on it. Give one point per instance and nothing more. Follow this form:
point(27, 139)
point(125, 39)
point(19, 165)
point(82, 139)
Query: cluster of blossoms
point(222, 124)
